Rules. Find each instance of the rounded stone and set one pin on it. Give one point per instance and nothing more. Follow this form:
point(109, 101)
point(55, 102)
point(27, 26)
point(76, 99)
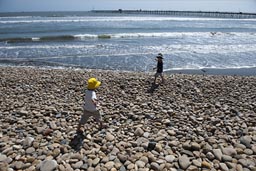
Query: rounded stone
point(109, 137)
point(109, 165)
point(48, 165)
point(169, 158)
point(140, 164)
point(184, 162)
point(205, 164)
point(154, 166)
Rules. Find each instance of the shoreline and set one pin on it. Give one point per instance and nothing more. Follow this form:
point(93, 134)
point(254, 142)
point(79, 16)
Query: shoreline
point(248, 71)
point(216, 71)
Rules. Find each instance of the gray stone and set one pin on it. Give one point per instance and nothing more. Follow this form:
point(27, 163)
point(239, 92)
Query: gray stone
point(23, 112)
point(210, 156)
point(151, 158)
point(187, 152)
point(122, 168)
point(109, 165)
point(158, 147)
point(207, 148)
point(138, 132)
point(174, 143)
point(109, 137)
point(186, 146)
point(169, 158)
point(226, 158)
point(229, 151)
point(18, 165)
point(144, 159)
point(243, 162)
point(173, 169)
point(154, 166)
point(146, 134)
point(130, 166)
point(2, 157)
point(217, 153)
point(197, 163)
point(223, 167)
point(17, 147)
point(95, 161)
point(53, 125)
point(231, 165)
point(248, 151)
point(240, 146)
point(254, 149)
point(28, 142)
point(77, 165)
point(184, 162)
point(122, 157)
point(140, 164)
point(171, 132)
point(84, 166)
point(90, 169)
point(195, 146)
point(48, 165)
point(75, 156)
point(30, 150)
point(239, 167)
point(246, 140)
point(4, 166)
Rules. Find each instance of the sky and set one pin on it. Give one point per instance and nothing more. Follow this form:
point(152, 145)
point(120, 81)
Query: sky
point(87, 5)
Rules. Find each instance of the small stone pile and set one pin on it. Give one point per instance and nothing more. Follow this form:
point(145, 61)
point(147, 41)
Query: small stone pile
point(191, 122)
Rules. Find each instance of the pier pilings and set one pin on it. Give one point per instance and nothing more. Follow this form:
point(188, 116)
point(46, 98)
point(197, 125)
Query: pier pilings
point(235, 15)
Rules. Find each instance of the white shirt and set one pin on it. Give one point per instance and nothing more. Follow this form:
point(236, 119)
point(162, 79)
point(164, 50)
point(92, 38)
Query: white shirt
point(88, 100)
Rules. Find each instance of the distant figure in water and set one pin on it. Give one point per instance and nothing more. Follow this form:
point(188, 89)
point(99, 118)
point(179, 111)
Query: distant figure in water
point(159, 67)
point(90, 104)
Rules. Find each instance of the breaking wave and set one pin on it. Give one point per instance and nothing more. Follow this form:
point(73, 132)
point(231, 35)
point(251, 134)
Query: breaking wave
point(178, 35)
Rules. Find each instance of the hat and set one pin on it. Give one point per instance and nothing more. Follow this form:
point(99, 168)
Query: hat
point(160, 55)
point(93, 83)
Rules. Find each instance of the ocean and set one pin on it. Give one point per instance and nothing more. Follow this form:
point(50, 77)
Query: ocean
point(126, 42)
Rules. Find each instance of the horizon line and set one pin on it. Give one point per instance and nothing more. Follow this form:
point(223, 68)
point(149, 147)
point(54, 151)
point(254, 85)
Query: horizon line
point(135, 10)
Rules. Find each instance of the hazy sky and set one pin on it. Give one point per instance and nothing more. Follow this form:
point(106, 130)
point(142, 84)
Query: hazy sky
point(86, 5)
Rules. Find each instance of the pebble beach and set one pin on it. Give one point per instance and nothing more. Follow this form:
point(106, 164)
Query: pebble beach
point(192, 122)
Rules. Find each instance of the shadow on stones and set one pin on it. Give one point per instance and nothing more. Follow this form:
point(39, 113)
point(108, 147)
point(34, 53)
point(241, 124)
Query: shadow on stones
point(152, 88)
point(151, 145)
point(77, 142)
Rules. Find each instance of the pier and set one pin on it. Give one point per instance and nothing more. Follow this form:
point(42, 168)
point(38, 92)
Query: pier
point(235, 15)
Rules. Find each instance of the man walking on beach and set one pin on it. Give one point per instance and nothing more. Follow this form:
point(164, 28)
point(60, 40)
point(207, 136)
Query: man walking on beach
point(159, 67)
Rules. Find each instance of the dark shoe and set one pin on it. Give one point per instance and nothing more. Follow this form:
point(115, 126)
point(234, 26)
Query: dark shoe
point(79, 131)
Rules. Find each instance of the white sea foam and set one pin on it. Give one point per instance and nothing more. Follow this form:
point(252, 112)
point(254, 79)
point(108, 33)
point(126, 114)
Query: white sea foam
point(85, 36)
point(16, 17)
point(174, 49)
point(49, 47)
point(208, 68)
point(230, 37)
point(35, 38)
point(204, 49)
point(114, 19)
point(169, 35)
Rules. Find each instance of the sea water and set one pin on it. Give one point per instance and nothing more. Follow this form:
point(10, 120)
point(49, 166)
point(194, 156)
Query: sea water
point(126, 42)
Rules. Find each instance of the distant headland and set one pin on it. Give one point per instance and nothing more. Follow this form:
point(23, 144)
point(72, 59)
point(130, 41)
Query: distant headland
point(212, 14)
